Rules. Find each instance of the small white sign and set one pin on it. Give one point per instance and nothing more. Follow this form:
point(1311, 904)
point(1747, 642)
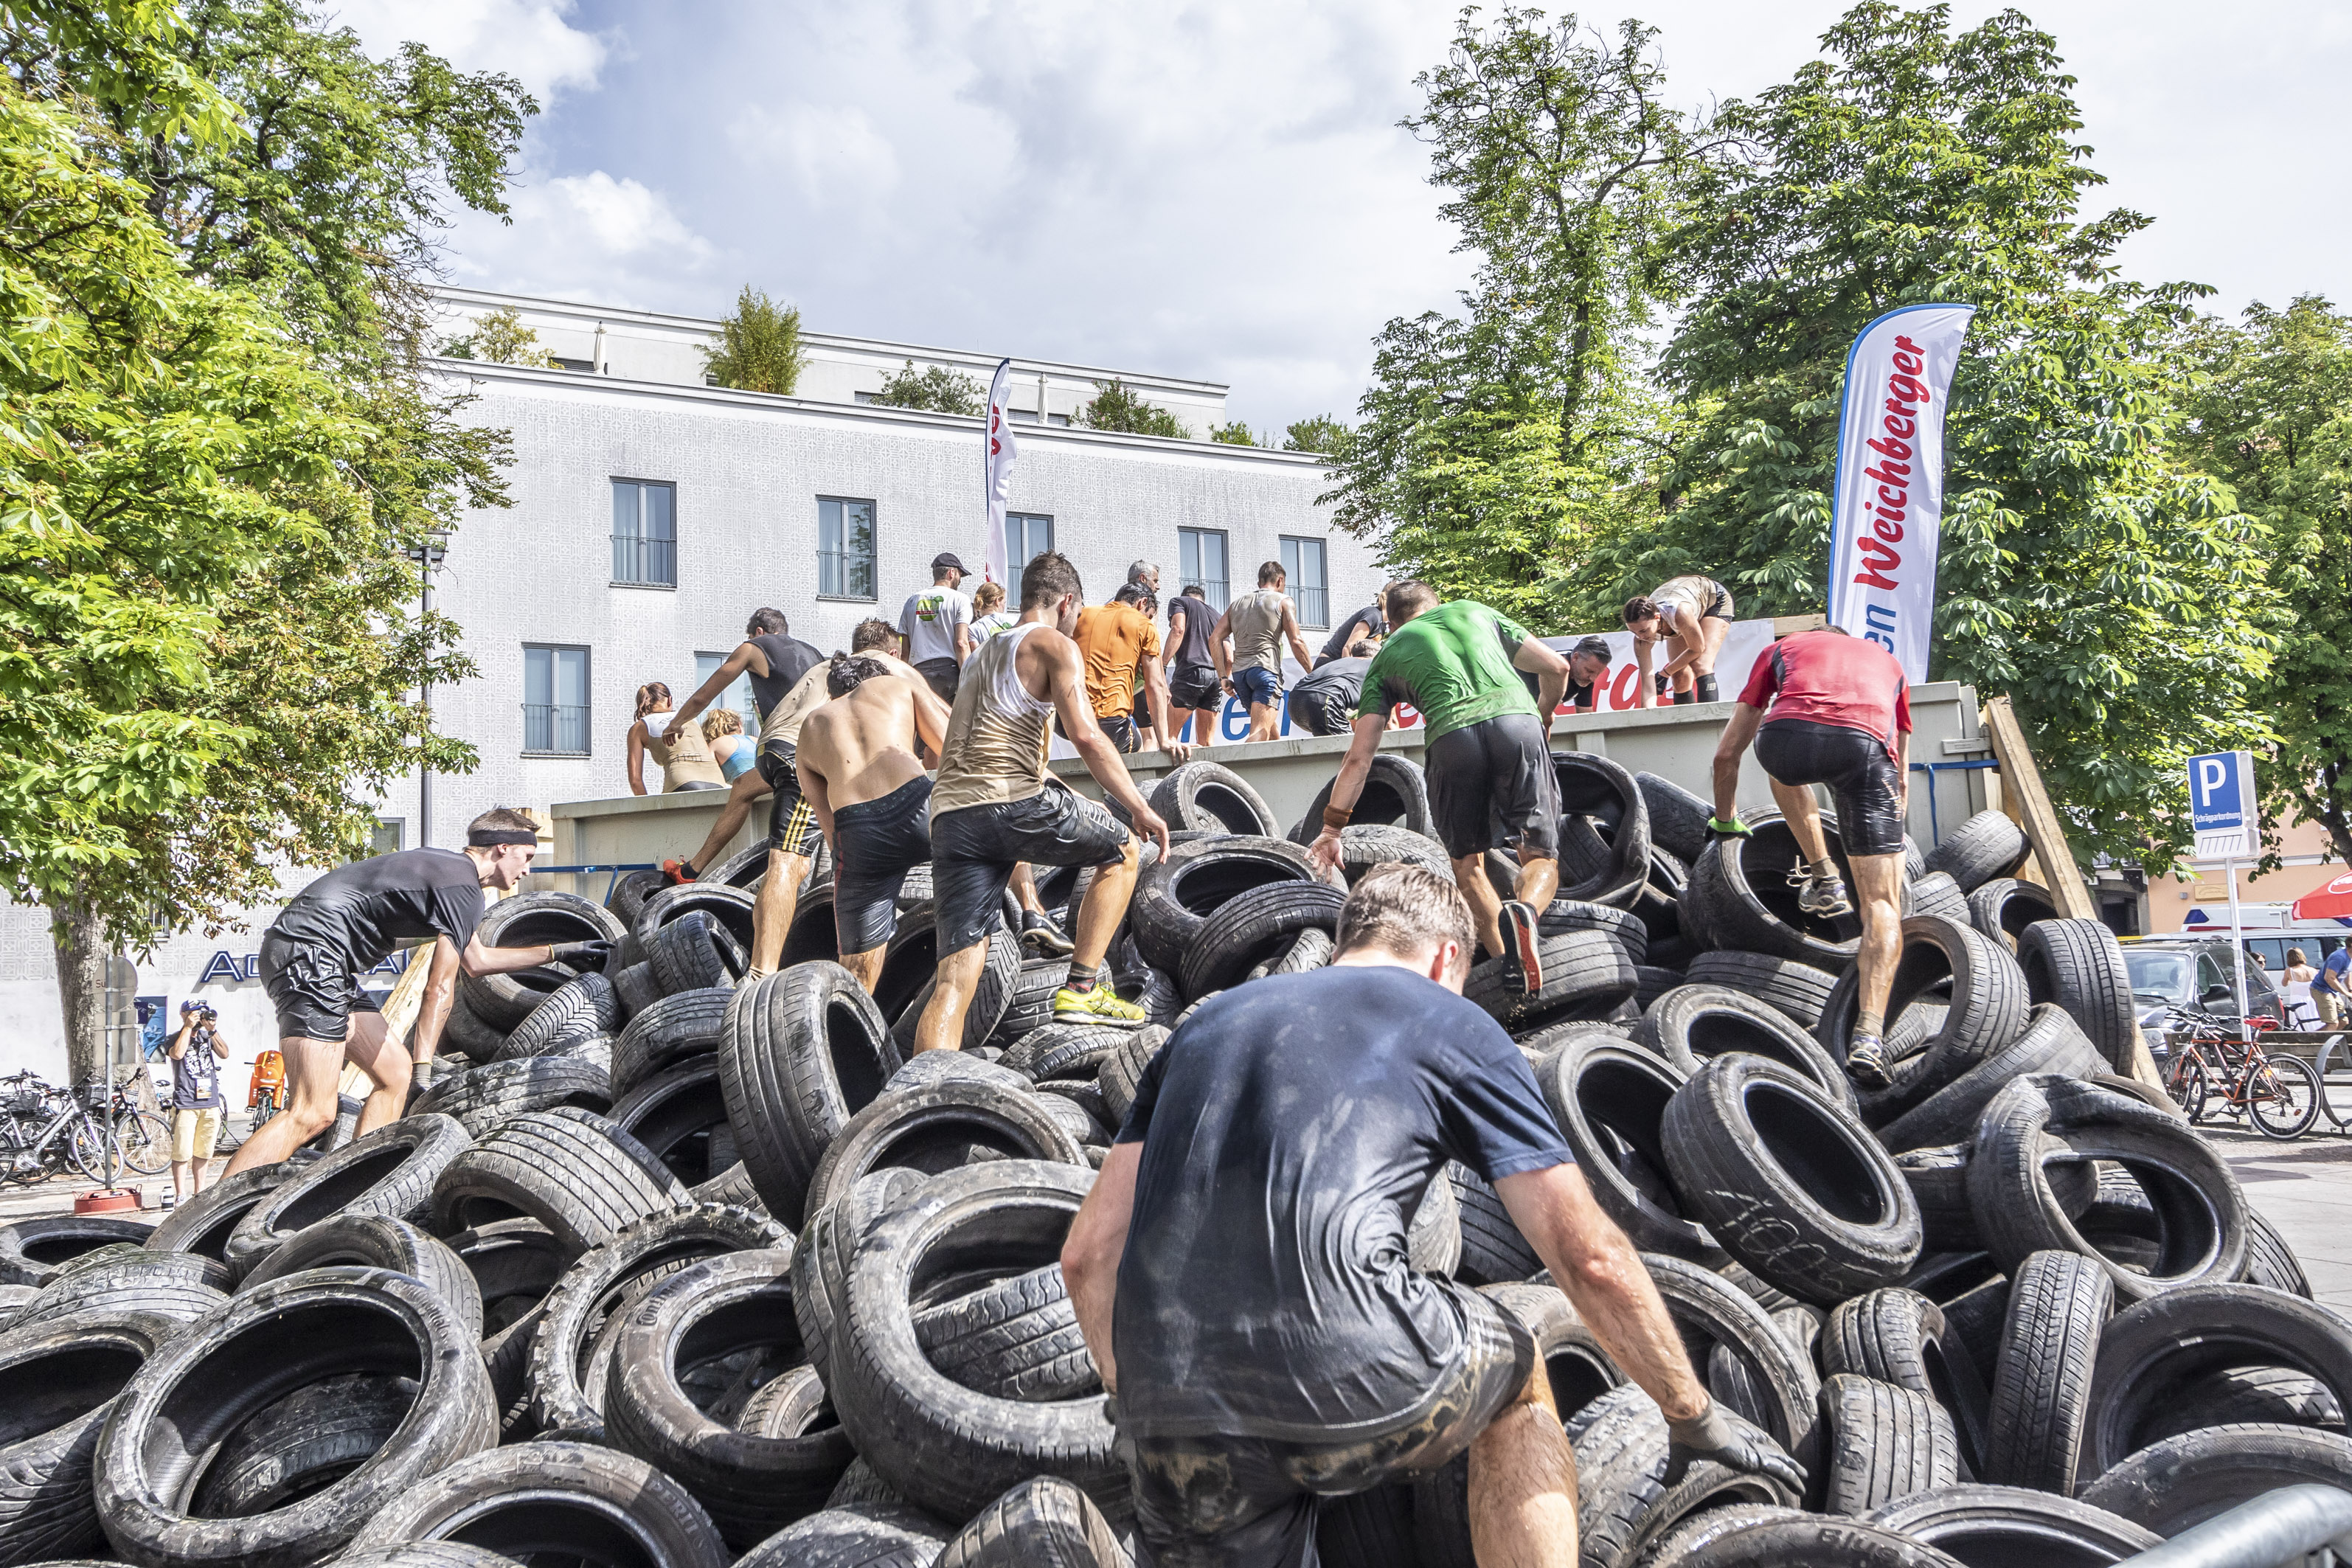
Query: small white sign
point(2222, 807)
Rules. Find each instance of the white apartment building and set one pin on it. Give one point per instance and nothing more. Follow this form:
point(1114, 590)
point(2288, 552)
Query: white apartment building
point(651, 513)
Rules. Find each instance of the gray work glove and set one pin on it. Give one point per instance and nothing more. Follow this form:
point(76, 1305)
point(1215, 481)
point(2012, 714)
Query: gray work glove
point(590, 955)
point(1727, 1438)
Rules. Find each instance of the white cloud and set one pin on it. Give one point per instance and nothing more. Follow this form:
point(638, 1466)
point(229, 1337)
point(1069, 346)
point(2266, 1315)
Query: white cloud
point(834, 150)
point(530, 40)
point(582, 237)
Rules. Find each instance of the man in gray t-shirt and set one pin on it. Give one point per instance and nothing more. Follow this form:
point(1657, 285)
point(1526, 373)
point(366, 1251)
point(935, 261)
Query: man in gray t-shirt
point(937, 625)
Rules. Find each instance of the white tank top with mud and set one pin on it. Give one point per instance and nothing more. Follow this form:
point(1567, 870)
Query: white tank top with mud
point(994, 750)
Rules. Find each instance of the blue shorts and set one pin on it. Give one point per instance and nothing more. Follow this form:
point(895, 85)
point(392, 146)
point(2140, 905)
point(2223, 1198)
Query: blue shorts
point(1259, 686)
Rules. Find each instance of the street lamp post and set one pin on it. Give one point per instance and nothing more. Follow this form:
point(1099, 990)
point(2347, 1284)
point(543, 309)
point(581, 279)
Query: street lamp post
point(427, 556)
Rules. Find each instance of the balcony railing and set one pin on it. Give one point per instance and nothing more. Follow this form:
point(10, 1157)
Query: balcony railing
point(1214, 588)
point(640, 560)
point(843, 576)
point(1314, 607)
point(559, 731)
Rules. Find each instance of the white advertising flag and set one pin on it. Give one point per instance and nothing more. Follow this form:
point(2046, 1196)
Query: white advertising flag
point(996, 470)
point(1889, 495)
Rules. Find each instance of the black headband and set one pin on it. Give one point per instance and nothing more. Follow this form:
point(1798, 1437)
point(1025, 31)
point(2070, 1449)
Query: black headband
point(487, 837)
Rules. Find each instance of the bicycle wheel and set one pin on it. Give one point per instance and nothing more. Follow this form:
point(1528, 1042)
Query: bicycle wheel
point(2282, 1097)
point(86, 1146)
point(2335, 1083)
point(2186, 1084)
point(146, 1142)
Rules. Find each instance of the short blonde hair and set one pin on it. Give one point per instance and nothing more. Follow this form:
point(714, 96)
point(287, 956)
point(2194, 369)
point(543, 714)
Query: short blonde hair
point(721, 721)
point(1407, 911)
point(987, 598)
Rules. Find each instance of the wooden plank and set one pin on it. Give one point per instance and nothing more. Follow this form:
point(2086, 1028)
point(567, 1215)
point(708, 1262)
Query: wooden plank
point(2024, 797)
point(1789, 625)
point(2021, 781)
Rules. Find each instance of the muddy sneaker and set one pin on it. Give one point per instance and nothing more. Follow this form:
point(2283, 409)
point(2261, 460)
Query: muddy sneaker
point(1042, 937)
point(1821, 896)
point(1099, 1005)
point(678, 872)
point(1522, 960)
point(1865, 1062)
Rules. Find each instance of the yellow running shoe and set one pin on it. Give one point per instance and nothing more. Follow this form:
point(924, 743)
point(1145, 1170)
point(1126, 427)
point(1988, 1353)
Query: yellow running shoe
point(1100, 1005)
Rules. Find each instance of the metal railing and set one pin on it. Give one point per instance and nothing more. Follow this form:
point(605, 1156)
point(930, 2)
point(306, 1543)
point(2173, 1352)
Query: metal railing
point(639, 560)
point(1314, 607)
point(2274, 1530)
point(841, 574)
point(1214, 588)
point(548, 727)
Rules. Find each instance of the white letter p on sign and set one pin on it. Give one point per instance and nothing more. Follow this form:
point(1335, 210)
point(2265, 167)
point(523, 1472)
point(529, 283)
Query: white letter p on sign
point(2210, 772)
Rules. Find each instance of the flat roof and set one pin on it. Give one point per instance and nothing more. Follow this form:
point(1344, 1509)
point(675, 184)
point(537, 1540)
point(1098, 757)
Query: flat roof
point(703, 326)
point(869, 412)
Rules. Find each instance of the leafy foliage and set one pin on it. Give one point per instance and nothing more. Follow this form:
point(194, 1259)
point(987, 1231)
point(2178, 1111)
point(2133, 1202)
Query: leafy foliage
point(1562, 161)
point(2085, 571)
point(1236, 434)
point(1117, 406)
point(758, 347)
point(501, 337)
point(216, 225)
point(935, 388)
point(2273, 417)
point(1320, 434)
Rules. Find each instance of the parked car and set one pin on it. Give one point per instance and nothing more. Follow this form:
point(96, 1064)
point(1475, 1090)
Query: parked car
point(2192, 972)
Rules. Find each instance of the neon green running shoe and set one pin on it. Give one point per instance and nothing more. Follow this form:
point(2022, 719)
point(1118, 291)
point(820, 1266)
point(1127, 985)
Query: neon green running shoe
point(1100, 1005)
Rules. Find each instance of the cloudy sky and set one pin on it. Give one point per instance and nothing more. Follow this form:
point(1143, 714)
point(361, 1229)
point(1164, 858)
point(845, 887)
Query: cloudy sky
point(1219, 190)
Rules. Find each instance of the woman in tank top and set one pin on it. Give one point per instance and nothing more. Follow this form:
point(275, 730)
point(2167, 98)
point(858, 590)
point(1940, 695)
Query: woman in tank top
point(680, 752)
point(2294, 991)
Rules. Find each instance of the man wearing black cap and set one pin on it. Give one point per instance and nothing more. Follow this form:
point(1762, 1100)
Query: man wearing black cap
point(347, 922)
point(937, 625)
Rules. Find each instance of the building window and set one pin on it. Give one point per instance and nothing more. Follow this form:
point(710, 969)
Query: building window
point(554, 700)
point(644, 535)
point(389, 835)
point(738, 696)
point(844, 548)
point(1200, 559)
point(1029, 417)
point(1302, 565)
point(1027, 535)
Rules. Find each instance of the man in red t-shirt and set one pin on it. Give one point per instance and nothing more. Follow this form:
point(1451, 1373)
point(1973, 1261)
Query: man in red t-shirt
point(1841, 716)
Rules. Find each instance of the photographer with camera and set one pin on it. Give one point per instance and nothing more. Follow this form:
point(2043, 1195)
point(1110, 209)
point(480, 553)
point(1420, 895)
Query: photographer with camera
point(196, 1053)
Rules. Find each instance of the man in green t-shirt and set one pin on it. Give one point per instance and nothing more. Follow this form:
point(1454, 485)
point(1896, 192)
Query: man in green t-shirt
point(1487, 755)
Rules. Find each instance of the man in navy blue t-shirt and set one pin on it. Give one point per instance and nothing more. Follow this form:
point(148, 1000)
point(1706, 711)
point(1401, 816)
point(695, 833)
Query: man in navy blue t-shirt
point(1242, 1274)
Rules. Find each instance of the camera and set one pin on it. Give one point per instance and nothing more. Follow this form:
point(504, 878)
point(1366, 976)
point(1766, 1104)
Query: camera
point(205, 1014)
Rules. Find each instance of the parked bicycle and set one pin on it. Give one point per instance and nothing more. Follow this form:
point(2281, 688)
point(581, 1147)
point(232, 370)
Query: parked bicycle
point(47, 1131)
point(2279, 1094)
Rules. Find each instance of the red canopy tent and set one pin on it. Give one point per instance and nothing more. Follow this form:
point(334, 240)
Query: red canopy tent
point(2331, 902)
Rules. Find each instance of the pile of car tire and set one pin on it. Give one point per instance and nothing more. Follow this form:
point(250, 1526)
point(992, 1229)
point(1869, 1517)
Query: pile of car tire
point(682, 1270)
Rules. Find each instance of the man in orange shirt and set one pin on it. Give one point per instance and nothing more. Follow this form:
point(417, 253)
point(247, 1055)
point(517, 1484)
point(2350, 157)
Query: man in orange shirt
point(1115, 639)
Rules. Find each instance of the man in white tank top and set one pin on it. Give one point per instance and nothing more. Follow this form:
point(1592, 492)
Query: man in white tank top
point(993, 807)
point(1256, 625)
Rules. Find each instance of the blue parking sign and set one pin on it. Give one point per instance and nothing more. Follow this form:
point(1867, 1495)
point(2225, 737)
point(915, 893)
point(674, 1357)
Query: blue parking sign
point(2222, 807)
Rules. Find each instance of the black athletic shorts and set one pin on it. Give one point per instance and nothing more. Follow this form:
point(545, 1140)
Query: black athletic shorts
point(312, 988)
point(875, 843)
point(942, 676)
point(1121, 730)
point(1322, 709)
point(1196, 686)
point(974, 850)
point(792, 821)
point(1242, 1501)
point(1491, 783)
point(1855, 763)
point(1719, 607)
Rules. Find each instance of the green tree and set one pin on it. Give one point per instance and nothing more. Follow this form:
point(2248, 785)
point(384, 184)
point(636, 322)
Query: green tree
point(1321, 434)
point(255, 451)
point(500, 338)
point(758, 347)
point(1236, 434)
point(1117, 406)
point(2109, 589)
point(935, 388)
point(1562, 162)
point(2272, 416)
